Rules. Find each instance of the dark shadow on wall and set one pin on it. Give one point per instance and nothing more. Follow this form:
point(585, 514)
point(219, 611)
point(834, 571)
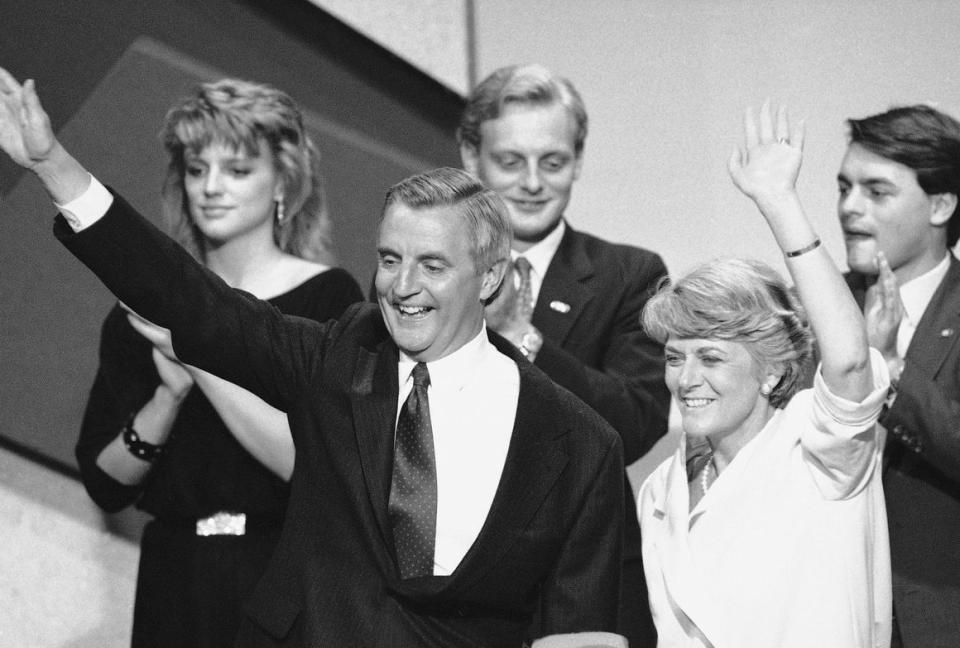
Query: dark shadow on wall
point(107, 78)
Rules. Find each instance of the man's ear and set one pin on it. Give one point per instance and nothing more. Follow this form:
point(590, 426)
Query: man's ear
point(492, 278)
point(470, 157)
point(943, 205)
point(577, 165)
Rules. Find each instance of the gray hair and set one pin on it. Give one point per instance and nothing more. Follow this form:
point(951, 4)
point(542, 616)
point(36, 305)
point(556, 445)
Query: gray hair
point(484, 210)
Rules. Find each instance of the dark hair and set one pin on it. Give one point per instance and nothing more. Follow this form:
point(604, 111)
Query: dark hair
point(484, 210)
point(242, 114)
point(922, 138)
point(524, 85)
point(737, 300)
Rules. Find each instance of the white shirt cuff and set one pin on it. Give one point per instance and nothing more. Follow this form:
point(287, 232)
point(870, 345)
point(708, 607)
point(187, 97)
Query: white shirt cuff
point(89, 207)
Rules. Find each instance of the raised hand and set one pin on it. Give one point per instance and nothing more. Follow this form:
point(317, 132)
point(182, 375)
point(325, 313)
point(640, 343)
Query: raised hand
point(768, 163)
point(25, 132)
point(883, 310)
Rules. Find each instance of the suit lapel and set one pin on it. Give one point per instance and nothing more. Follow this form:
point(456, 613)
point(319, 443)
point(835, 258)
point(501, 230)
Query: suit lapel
point(535, 459)
point(939, 327)
point(565, 284)
point(373, 397)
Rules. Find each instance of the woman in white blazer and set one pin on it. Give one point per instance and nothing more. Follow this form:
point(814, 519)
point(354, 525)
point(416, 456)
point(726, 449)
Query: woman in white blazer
point(767, 527)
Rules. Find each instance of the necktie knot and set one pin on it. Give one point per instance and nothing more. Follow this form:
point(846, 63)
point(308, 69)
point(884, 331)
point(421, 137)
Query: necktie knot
point(523, 267)
point(421, 377)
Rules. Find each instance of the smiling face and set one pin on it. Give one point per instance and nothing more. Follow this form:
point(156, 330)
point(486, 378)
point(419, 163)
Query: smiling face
point(528, 156)
point(883, 208)
point(716, 384)
point(230, 193)
point(428, 287)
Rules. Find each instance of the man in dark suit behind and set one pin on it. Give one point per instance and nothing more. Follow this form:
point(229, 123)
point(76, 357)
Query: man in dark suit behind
point(499, 501)
point(574, 307)
point(899, 183)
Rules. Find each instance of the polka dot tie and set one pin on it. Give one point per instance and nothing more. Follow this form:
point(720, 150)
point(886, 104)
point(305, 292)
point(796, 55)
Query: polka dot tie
point(413, 487)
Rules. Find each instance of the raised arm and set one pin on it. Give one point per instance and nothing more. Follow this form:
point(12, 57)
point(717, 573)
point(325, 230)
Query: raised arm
point(766, 170)
point(239, 338)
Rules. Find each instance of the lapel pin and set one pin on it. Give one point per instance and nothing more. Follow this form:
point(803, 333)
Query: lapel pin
point(559, 306)
point(947, 332)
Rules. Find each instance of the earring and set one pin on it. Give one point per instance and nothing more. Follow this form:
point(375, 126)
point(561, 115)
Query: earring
point(280, 211)
point(765, 390)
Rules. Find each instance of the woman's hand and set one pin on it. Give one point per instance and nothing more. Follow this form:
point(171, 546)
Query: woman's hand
point(175, 375)
point(158, 336)
point(25, 132)
point(767, 165)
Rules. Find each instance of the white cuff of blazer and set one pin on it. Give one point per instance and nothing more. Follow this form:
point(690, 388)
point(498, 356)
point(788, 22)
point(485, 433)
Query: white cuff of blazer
point(581, 640)
point(87, 208)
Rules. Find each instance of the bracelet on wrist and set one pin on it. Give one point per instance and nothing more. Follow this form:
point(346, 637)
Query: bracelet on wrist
point(143, 450)
point(801, 251)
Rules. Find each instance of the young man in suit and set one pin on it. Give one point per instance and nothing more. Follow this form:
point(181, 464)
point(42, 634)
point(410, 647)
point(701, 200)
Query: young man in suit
point(445, 491)
point(574, 306)
point(899, 184)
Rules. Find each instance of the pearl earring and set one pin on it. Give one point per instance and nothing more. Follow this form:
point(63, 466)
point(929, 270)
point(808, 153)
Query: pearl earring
point(280, 211)
point(765, 390)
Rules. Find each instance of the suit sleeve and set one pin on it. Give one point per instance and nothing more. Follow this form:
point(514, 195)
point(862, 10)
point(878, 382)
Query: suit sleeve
point(216, 328)
point(582, 592)
point(627, 387)
point(925, 418)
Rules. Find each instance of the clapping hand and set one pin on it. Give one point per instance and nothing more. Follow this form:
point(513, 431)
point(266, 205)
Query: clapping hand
point(25, 132)
point(883, 310)
point(507, 314)
point(768, 163)
point(175, 375)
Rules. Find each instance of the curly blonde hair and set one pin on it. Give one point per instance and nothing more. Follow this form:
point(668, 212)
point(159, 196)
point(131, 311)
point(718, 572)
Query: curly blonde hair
point(242, 115)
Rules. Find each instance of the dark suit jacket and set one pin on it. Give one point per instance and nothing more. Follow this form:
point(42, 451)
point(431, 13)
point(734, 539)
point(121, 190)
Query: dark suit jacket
point(921, 478)
point(597, 349)
point(550, 543)
point(588, 311)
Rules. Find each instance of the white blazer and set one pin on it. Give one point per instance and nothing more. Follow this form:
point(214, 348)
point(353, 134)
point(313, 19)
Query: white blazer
point(788, 548)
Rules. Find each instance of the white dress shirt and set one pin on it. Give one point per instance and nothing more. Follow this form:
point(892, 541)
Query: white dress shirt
point(916, 295)
point(789, 546)
point(540, 255)
point(473, 403)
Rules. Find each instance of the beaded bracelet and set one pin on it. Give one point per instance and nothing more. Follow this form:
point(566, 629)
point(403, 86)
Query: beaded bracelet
point(806, 248)
point(139, 448)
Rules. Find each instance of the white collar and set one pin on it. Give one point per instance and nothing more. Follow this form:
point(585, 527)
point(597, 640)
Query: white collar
point(540, 254)
point(917, 293)
point(454, 370)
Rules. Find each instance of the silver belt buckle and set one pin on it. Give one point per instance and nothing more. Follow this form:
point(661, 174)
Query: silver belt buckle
point(222, 523)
